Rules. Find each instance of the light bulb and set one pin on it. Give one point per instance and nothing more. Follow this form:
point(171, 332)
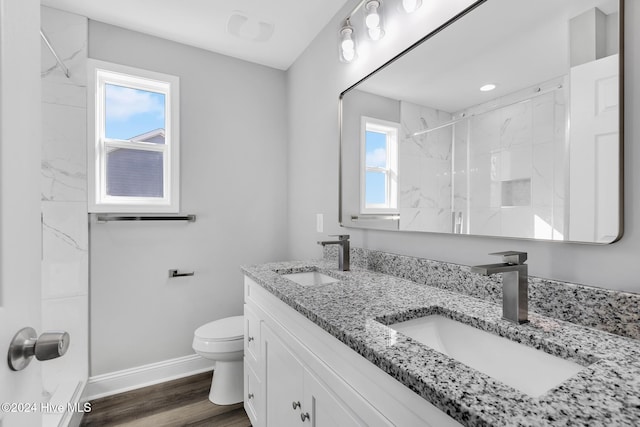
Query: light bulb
point(372, 19)
point(488, 87)
point(348, 55)
point(411, 6)
point(375, 33)
point(347, 43)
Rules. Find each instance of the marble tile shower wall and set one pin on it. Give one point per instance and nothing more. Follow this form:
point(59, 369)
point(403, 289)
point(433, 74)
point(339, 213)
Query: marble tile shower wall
point(65, 261)
point(424, 185)
point(516, 157)
point(607, 310)
point(500, 172)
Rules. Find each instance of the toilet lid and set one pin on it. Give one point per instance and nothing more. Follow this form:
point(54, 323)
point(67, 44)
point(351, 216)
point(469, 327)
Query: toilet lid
point(227, 329)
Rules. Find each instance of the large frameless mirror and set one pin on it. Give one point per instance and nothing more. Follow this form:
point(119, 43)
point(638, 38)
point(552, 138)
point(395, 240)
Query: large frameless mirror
point(507, 122)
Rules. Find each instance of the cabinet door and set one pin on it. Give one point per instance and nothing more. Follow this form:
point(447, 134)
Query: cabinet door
point(253, 395)
point(251, 337)
point(284, 382)
point(321, 408)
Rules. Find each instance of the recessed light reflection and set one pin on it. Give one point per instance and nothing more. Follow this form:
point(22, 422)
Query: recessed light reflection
point(488, 87)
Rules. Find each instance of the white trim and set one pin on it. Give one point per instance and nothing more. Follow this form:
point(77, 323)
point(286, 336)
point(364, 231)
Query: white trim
point(146, 375)
point(101, 73)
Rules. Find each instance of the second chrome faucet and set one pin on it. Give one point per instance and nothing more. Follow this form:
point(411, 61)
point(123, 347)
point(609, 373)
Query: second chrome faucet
point(343, 250)
point(515, 284)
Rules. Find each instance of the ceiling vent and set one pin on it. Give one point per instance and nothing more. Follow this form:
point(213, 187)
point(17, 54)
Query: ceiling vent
point(244, 27)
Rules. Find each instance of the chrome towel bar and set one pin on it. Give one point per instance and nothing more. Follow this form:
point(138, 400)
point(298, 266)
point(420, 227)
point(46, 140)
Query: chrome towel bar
point(108, 218)
point(368, 217)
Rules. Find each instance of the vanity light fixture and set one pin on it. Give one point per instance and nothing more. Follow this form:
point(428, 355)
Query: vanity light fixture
point(488, 87)
point(347, 42)
point(411, 6)
point(372, 19)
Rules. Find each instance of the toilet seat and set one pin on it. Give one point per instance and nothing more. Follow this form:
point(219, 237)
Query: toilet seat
point(227, 329)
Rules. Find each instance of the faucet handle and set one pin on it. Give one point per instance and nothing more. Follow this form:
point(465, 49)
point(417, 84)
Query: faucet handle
point(340, 236)
point(512, 257)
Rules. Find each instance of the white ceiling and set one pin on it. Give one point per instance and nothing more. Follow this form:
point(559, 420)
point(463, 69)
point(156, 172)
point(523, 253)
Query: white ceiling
point(514, 44)
point(205, 23)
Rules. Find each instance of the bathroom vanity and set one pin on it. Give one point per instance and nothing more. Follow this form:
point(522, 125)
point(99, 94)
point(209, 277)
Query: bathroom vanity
point(323, 352)
point(296, 372)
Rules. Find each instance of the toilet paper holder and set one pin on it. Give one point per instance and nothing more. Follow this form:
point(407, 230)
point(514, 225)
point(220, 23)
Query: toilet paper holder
point(175, 273)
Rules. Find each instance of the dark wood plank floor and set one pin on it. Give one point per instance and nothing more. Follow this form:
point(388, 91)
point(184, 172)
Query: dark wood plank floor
point(182, 402)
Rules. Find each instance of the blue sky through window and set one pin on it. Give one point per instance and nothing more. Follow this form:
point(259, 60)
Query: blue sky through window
point(374, 191)
point(131, 112)
point(376, 149)
point(375, 156)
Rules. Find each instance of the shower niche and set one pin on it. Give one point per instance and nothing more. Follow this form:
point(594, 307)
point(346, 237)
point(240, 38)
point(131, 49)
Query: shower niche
point(506, 123)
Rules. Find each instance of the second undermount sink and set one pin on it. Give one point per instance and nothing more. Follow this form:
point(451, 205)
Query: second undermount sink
point(524, 368)
point(310, 278)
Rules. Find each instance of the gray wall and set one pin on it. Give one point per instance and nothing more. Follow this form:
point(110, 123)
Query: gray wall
point(313, 165)
point(233, 154)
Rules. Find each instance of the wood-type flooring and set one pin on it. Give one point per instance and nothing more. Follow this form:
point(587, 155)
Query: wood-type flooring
point(181, 402)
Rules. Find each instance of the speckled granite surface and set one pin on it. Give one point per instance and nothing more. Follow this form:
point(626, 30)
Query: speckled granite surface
point(604, 309)
point(606, 392)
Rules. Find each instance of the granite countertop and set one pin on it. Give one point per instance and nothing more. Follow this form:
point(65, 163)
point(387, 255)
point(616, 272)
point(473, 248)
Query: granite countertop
point(356, 309)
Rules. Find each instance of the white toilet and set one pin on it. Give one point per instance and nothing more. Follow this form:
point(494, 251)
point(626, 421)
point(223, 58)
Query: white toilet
point(223, 341)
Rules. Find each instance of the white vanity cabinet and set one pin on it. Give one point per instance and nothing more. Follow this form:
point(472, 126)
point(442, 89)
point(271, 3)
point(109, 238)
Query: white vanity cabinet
point(294, 394)
point(297, 374)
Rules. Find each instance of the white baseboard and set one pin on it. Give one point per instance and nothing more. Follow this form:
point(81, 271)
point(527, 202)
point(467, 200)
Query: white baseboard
point(142, 376)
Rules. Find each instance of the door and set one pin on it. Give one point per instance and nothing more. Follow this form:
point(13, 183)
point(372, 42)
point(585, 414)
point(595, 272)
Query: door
point(595, 151)
point(20, 233)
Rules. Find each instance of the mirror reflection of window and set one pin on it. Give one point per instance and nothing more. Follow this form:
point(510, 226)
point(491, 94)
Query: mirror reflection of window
point(379, 166)
point(376, 169)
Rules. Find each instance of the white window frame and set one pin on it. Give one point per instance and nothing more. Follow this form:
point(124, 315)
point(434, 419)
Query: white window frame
point(392, 131)
point(100, 74)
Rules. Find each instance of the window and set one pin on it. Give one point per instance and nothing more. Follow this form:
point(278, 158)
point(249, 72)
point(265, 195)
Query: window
point(379, 166)
point(133, 151)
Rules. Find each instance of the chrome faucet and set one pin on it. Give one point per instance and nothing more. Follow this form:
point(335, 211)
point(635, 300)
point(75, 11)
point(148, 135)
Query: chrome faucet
point(343, 250)
point(515, 284)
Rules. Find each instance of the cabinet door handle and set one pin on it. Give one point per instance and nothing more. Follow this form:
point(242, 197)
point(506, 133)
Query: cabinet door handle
point(250, 339)
point(305, 416)
point(250, 395)
point(296, 405)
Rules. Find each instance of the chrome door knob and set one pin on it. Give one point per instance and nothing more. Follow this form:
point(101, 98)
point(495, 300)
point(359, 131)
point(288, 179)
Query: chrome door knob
point(26, 344)
point(51, 345)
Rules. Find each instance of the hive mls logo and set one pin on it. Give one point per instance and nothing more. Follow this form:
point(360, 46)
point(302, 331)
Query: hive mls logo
point(79, 407)
point(59, 408)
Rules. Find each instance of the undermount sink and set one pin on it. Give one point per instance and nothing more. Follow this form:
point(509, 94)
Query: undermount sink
point(531, 371)
point(310, 278)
